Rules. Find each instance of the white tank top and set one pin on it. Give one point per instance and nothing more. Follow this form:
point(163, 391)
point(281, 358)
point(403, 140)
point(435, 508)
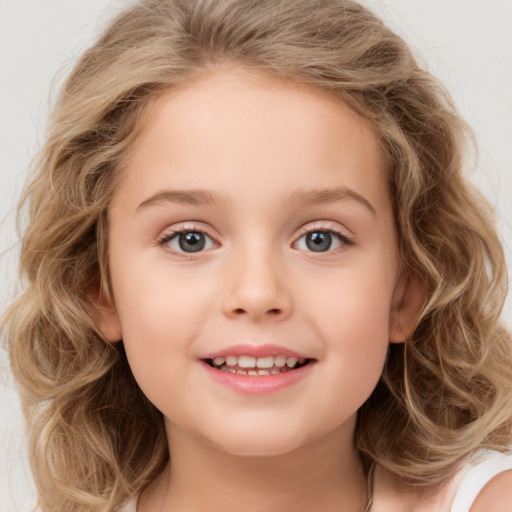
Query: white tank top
point(476, 476)
point(490, 463)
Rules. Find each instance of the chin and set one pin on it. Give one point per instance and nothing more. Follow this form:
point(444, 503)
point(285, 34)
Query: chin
point(260, 442)
point(260, 449)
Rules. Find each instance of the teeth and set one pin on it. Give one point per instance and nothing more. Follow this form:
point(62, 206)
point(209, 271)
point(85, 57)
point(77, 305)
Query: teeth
point(251, 372)
point(246, 362)
point(268, 365)
point(231, 360)
point(280, 361)
point(291, 362)
point(265, 362)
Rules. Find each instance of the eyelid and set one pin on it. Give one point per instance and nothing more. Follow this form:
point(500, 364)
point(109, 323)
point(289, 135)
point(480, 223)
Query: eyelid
point(186, 227)
point(326, 227)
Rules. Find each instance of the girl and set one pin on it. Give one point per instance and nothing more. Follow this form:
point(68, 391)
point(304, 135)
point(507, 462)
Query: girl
point(255, 276)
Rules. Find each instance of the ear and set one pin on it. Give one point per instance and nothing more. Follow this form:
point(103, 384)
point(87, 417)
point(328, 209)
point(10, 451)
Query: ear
point(105, 315)
point(408, 300)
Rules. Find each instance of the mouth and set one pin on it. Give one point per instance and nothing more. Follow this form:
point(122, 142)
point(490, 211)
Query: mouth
point(257, 366)
point(257, 369)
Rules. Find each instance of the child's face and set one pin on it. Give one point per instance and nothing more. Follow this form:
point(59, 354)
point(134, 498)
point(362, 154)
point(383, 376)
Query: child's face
point(254, 212)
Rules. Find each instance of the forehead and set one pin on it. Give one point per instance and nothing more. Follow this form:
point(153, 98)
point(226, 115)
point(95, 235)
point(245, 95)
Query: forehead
point(227, 125)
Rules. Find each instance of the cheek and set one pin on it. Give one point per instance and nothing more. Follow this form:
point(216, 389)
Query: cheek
point(158, 333)
point(354, 301)
point(154, 299)
point(357, 345)
point(163, 309)
point(353, 320)
point(160, 316)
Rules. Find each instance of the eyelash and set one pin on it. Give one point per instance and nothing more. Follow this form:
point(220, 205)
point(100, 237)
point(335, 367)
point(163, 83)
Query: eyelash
point(344, 239)
point(172, 234)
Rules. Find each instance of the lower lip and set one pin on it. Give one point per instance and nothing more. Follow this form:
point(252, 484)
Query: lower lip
point(257, 384)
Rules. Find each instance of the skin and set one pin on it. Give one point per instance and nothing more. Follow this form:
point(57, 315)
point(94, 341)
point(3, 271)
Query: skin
point(260, 149)
point(496, 495)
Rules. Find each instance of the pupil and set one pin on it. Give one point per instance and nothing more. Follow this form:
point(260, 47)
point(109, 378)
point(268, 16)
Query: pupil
point(319, 241)
point(191, 242)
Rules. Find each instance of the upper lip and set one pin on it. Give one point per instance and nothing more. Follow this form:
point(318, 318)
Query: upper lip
point(244, 349)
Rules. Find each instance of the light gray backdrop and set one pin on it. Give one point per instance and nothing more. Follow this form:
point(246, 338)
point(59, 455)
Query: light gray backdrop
point(467, 43)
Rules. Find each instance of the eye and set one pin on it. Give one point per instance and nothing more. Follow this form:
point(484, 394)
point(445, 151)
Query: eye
point(187, 241)
point(321, 240)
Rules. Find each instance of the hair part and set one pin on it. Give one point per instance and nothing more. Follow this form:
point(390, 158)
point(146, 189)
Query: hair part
point(446, 392)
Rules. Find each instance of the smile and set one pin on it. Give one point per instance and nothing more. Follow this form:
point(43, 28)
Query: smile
point(257, 370)
point(248, 365)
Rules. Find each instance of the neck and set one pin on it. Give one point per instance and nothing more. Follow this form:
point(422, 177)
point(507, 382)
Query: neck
point(325, 474)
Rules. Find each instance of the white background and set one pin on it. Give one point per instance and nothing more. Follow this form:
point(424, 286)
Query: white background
point(466, 43)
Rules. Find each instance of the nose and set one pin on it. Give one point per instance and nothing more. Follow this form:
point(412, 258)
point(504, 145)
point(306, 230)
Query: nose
point(257, 289)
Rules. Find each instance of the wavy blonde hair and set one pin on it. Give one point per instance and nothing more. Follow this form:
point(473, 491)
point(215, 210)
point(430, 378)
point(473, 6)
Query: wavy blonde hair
point(95, 439)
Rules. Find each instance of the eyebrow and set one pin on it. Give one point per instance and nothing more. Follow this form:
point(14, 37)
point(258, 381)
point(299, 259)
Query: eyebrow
point(301, 196)
point(193, 197)
point(330, 195)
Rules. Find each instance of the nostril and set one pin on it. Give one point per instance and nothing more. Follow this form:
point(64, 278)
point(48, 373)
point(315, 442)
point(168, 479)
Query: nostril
point(271, 312)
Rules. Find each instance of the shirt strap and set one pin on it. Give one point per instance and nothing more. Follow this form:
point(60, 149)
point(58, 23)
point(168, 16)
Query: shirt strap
point(478, 477)
point(130, 507)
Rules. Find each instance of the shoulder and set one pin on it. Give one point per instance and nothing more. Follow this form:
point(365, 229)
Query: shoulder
point(486, 484)
point(496, 495)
